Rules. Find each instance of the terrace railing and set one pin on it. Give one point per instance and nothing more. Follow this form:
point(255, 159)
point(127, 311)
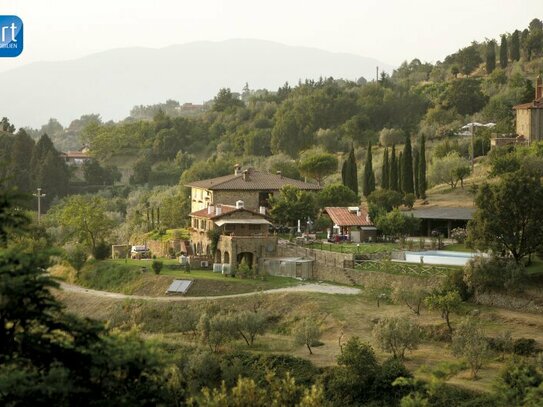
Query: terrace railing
point(387, 266)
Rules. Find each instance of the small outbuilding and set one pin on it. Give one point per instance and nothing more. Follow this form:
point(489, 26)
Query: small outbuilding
point(352, 222)
point(442, 219)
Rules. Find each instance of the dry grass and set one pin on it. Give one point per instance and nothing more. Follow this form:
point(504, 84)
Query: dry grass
point(344, 316)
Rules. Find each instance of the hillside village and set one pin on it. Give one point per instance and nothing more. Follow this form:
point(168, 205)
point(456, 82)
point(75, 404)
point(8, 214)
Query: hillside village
point(331, 243)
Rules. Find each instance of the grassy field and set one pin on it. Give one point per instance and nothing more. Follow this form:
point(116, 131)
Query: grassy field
point(362, 248)
point(342, 317)
point(136, 277)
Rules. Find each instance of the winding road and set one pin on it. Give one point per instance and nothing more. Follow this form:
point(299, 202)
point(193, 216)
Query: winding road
point(321, 288)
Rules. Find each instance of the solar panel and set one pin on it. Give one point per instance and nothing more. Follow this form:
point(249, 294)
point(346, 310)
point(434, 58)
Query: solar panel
point(179, 287)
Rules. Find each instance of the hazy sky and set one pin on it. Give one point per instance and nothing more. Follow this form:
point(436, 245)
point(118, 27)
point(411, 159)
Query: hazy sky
point(389, 30)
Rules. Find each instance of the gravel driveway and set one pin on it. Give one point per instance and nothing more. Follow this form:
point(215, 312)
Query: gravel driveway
point(322, 288)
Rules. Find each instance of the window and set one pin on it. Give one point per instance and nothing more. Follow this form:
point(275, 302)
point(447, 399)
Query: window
point(254, 227)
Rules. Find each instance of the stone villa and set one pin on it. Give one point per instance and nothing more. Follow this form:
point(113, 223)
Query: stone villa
point(236, 206)
point(530, 116)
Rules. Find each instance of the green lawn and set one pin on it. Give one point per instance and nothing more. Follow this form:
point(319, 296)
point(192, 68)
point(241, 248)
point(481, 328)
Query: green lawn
point(362, 248)
point(126, 276)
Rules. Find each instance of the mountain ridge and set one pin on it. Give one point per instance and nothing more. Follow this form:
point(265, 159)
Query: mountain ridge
point(111, 82)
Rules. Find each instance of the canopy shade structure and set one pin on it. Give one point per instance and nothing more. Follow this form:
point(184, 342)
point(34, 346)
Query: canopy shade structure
point(242, 222)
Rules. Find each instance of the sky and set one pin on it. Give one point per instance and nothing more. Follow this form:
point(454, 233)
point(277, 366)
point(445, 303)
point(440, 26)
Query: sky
point(389, 30)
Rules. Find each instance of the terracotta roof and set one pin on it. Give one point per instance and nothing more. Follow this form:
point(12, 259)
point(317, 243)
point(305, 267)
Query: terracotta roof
point(343, 216)
point(254, 180)
point(225, 209)
point(204, 213)
point(536, 104)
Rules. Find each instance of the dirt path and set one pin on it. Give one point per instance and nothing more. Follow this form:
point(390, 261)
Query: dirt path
point(306, 288)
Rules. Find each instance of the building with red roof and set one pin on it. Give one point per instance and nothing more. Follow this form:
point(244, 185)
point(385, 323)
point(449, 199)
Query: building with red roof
point(353, 222)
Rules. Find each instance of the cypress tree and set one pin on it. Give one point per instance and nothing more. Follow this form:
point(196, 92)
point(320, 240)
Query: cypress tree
point(385, 177)
point(422, 168)
point(490, 56)
point(407, 168)
point(504, 54)
point(19, 167)
point(40, 151)
point(393, 171)
point(53, 176)
point(416, 172)
point(400, 172)
point(369, 176)
point(515, 46)
point(349, 172)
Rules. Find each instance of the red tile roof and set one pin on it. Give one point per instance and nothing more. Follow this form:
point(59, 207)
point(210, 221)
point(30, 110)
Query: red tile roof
point(536, 104)
point(342, 216)
point(204, 213)
point(254, 180)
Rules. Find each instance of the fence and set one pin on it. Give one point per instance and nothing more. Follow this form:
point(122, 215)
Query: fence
point(387, 266)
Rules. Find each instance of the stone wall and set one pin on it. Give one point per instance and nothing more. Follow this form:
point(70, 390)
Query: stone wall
point(330, 266)
point(159, 248)
point(509, 301)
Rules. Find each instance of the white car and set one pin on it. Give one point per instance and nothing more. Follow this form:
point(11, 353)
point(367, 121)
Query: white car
point(140, 252)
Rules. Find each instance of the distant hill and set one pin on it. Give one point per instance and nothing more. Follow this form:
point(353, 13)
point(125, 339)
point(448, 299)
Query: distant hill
point(112, 82)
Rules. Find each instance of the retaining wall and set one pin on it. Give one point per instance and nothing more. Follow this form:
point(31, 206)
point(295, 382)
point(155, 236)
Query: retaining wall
point(336, 267)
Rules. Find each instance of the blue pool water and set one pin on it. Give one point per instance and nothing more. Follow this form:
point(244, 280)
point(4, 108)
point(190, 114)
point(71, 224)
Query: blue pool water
point(441, 257)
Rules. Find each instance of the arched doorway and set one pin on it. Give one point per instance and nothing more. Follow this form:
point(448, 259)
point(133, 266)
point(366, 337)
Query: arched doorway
point(226, 259)
point(247, 256)
point(218, 256)
point(199, 248)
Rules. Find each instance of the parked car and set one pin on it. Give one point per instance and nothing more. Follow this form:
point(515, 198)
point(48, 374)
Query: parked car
point(140, 252)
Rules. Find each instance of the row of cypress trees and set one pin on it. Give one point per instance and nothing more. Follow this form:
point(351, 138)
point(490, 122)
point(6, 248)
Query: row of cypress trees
point(405, 173)
point(505, 53)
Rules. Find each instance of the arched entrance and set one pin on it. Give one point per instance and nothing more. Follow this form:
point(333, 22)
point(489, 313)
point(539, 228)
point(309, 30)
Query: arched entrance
point(218, 256)
point(226, 259)
point(247, 256)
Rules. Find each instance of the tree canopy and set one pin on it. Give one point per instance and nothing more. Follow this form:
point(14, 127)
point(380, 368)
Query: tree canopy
point(509, 218)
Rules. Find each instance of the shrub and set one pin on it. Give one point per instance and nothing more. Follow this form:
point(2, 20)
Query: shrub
point(409, 200)
point(101, 251)
point(76, 256)
point(156, 265)
point(483, 273)
point(389, 137)
point(454, 281)
point(244, 270)
point(385, 199)
point(501, 343)
point(524, 346)
point(459, 234)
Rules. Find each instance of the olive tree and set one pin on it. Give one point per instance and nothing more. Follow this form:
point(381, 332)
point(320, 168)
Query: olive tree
point(469, 342)
point(396, 335)
point(446, 302)
point(307, 332)
point(449, 170)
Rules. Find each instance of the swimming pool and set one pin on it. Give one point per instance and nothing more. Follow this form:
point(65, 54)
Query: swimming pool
point(440, 257)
